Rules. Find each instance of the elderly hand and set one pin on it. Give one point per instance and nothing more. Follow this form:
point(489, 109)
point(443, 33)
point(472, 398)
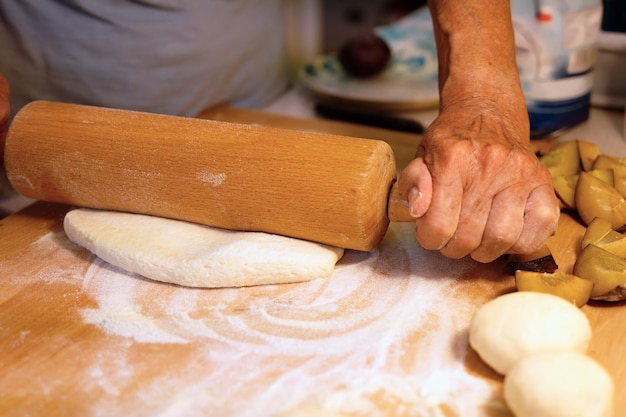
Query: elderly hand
point(4, 114)
point(476, 187)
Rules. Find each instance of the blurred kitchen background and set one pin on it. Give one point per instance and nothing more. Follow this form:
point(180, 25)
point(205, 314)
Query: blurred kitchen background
point(342, 19)
point(610, 68)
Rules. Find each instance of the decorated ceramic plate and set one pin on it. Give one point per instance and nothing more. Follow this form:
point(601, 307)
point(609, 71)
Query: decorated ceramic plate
point(409, 81)
point(395, 89)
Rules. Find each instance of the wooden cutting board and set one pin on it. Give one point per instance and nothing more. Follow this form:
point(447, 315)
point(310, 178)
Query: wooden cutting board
point(385, 335)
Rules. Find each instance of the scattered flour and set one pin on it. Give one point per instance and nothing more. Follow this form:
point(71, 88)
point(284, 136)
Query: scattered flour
point(212, 178)
point(385, 335)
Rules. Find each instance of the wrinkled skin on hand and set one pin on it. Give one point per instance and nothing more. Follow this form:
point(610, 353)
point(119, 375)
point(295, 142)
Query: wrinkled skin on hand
point(476, 187)
point(4, 114)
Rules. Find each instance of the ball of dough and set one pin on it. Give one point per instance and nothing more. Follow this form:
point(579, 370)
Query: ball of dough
point(512, 326)
point(559, 384)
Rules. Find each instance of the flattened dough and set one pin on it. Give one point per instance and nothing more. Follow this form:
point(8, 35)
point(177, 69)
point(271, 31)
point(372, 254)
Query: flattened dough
point(194, 255)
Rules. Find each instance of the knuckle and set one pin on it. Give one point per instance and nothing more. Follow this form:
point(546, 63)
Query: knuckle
point(433, 237)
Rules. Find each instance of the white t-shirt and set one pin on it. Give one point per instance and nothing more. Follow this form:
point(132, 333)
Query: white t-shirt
point(163, 56)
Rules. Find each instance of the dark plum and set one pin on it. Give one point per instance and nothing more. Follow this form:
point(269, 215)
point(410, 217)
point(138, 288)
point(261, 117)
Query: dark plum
point(364, 55)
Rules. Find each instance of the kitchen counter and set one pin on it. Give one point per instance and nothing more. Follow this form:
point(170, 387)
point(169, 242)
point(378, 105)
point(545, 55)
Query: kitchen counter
point(385, 335)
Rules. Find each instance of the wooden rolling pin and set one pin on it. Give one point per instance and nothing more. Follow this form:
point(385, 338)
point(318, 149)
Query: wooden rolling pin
point(325, 188)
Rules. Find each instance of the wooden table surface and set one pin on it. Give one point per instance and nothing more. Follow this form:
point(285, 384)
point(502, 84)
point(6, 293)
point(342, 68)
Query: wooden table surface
point(385, 335)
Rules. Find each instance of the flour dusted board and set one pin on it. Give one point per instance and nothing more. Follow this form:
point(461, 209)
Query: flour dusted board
point(356, 343)
point(385, 333)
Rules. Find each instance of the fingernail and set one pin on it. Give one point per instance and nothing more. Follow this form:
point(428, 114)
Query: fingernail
point(414, 195)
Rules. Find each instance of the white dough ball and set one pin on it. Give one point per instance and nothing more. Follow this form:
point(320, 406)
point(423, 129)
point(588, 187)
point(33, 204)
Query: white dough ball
point(512, 326)
point(559, 384)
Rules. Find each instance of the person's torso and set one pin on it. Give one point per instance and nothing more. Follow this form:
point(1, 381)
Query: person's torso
point(163, 56)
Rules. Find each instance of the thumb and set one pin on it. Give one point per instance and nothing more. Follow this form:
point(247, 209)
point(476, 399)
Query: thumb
point(416, 185)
